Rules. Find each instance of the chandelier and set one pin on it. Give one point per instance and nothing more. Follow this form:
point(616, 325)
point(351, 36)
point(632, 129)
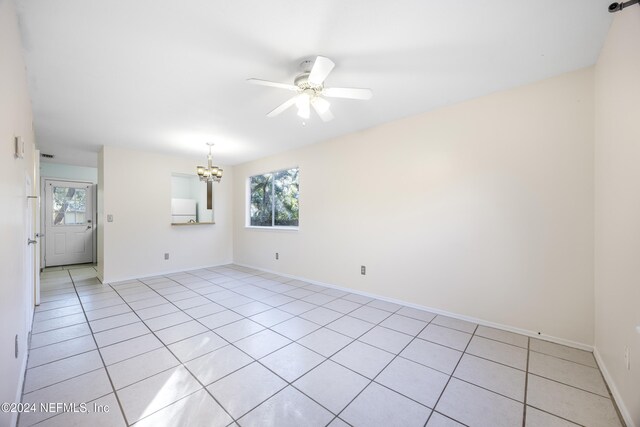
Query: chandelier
point(210, 173)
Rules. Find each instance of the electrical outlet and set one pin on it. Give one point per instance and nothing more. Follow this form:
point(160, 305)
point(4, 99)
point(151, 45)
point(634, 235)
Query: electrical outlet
point(627, 362)
point(166, 255)
point(363, 270)
point(277, 255)
point(109, 218)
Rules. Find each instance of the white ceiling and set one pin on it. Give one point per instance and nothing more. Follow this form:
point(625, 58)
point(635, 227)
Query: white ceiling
point(169, 76)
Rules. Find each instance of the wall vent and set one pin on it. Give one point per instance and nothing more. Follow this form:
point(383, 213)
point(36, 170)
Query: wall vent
point(46, 156)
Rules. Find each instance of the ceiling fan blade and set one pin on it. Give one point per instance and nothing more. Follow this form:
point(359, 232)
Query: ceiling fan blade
point(286, 104)
point(348, 92)
point(321, 69)
point(272, 84)
point(321, 106)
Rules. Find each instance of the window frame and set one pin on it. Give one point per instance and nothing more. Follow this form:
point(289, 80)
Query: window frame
point(247, 223)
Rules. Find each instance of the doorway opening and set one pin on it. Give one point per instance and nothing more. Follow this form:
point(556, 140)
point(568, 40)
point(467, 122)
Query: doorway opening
point(68, 222)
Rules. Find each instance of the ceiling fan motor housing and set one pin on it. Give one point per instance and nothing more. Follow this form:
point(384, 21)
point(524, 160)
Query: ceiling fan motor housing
point(302, 81)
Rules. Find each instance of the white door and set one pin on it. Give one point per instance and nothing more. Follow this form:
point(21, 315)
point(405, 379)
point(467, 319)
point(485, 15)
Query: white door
point(68, 223)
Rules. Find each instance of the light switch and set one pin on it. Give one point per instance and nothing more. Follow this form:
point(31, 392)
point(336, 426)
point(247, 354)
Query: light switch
point(109, 218)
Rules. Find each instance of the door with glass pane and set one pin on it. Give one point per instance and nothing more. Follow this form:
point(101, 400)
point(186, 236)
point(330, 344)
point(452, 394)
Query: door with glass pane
point(69, 223)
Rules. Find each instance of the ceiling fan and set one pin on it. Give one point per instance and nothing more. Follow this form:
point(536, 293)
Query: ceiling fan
point(310, 89)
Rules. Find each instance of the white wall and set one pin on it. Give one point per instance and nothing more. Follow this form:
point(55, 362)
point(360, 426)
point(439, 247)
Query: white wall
point(69, 172)
point(15, 293)
point(135, 187)
point(482, 209)
point(617, 210)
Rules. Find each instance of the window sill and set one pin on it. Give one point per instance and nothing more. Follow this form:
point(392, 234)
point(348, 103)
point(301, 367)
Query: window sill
point(255, 227)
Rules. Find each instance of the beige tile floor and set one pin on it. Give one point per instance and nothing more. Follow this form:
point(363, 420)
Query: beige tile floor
point(234, 346)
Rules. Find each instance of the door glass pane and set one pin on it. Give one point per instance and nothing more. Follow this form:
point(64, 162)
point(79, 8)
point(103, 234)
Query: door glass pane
point(69, 206)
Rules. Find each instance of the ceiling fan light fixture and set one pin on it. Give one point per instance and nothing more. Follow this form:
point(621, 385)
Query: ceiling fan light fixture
point(321, 105)
point(302, 103)
point(310, 85)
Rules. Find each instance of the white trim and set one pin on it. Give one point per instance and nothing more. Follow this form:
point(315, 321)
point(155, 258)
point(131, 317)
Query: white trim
point(626, 415)
point(161, 273)
point(275, 228)
point(482, 322)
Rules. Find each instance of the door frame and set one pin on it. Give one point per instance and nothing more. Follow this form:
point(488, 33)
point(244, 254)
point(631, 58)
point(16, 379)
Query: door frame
point(43, 215)
point(30, 251)
point(35, 219)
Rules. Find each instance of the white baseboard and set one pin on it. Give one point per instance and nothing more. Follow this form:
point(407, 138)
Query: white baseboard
point(557, 340)
point(164, 272)
point(626, 415)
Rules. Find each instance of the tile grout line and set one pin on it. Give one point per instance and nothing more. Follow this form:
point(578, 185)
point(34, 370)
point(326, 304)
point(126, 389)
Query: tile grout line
point(254, 361)
point(24, 377)
point(353, 339)
point(84, 373)
point(558, 416)
point(254, 299)
point(385, 367)
point(451, 376)
point(290, 384)
point(487, 389)
point(389, 314)
point(251, 357)
point(526, 384)
point(47, 309)
point(342, 315)
point(320, 306)
point(66, 379)
point(61, 358)
point(104, 365)
point(335, 416)
point(311, 349)
point(39, 313)
point(58, 342)
point(180, 364)
point(569, 385)
point(294, 341)
point(567, 360)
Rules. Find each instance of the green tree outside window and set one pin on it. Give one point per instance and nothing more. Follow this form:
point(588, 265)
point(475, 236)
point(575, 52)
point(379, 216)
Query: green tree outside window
point(274, 199)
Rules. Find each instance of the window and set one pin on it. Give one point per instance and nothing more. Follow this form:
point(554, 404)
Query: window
point(273, 199)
